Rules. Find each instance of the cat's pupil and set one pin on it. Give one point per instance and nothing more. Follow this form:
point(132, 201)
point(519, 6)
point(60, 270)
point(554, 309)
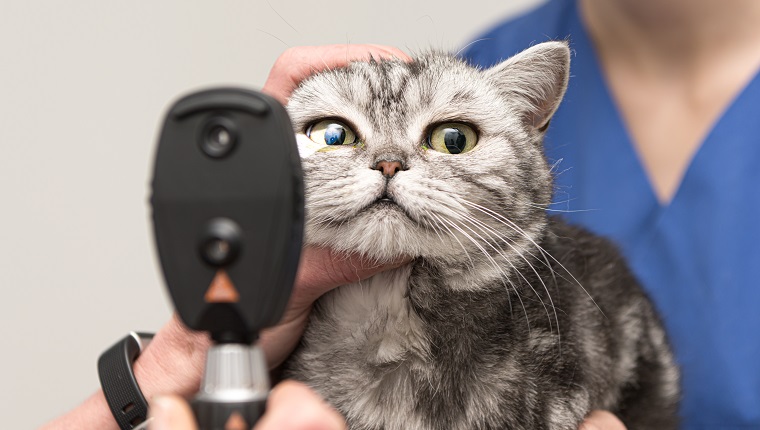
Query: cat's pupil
point(454, 140)
point(335, 134)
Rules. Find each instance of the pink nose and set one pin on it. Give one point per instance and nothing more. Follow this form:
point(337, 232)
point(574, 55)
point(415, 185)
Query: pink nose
point(389, 168)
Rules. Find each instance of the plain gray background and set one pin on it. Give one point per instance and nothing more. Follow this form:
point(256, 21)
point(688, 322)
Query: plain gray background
point(83, 86)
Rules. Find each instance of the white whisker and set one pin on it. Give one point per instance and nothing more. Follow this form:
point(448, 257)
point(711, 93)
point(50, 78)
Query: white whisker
point(470, 44)
point(472, 263)
point(479, 224)
point(493, 262)
point(541, 249)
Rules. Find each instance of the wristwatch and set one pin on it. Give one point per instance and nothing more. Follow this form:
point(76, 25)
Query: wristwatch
point(126, 401)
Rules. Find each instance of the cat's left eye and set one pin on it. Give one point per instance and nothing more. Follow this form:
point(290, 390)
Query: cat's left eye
point(452, 138)
point(331, 132)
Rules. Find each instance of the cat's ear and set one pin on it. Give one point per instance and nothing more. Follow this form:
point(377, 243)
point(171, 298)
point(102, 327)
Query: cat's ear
point(535, 80)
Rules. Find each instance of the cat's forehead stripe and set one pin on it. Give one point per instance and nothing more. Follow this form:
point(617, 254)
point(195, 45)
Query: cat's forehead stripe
point(395, 90)
point(386, 81)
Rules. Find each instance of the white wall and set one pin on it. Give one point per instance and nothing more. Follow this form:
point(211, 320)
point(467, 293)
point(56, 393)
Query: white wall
point(83, 85)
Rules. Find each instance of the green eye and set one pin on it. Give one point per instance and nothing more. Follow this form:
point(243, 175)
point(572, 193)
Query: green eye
point(452, 138)
point(331, 132)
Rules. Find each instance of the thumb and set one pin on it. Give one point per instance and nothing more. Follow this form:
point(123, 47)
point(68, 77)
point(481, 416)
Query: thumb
point(171, 413)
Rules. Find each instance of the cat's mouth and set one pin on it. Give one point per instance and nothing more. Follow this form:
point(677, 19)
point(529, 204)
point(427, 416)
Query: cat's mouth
point(385, 201)
point(388, 206)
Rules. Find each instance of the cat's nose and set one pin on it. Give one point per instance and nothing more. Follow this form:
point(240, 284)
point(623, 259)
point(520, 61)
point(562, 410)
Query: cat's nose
point(389, 168)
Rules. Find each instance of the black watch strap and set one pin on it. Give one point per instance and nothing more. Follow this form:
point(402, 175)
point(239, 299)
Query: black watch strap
point(127, 403)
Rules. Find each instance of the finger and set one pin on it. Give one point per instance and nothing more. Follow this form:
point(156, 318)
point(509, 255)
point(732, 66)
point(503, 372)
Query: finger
point(295, 64)
point(322, 269)
point(602, 420)
point(294, 406)
point(171, 413)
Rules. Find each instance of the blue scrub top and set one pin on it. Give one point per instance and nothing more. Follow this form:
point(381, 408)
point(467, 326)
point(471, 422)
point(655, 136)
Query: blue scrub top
point(699, 255)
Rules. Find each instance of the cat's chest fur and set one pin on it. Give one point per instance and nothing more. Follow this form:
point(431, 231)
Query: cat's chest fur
point(375, 316)
point(407, 349)
point(390, 354)
point(369, 335)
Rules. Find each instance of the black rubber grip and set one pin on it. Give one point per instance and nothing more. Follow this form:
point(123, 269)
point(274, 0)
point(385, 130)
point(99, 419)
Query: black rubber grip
point(126, 401)
point(228, 416)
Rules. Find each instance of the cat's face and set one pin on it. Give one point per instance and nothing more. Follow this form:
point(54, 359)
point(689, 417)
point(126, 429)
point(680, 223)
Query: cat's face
point(432, 158)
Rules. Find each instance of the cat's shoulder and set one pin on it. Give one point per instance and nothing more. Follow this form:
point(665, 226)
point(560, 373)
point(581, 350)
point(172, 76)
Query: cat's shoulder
point(582, 250)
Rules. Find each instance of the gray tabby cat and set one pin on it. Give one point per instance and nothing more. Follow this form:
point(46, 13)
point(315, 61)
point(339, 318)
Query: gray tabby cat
point(506, 318)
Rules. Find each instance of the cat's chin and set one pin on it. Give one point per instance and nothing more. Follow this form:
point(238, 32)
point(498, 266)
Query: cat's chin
point(382, 232)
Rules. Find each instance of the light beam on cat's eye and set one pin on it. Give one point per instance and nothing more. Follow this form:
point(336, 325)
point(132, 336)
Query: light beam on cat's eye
point(331, 132)
point(452, 138)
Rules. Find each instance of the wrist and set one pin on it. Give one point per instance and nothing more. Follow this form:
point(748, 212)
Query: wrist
point(93, 413)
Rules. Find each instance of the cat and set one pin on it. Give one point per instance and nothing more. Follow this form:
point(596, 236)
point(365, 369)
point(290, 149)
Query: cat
point(506, 318)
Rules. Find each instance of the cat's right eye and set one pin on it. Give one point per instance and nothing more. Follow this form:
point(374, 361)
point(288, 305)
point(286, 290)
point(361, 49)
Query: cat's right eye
point(331, 132)
point(452, 138)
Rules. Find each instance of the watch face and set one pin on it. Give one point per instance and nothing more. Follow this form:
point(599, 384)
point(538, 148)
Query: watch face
point(228, 210)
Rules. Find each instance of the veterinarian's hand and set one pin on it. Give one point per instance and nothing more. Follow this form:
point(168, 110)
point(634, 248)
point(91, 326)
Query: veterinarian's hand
point(296, 64)
point(291, 406)
point(602, 420)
